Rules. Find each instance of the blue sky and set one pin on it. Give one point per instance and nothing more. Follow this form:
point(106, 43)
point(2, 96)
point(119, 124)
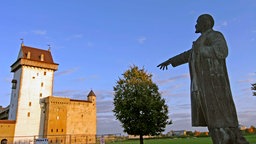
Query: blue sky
point(96, 41)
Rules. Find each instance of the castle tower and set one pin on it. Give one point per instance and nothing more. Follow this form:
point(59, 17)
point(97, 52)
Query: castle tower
point(32, 81)
point(93, 118)
point(91, 97)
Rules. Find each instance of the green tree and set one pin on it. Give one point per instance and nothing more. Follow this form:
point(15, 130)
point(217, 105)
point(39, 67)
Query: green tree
point(138, 104)
point(254, 89)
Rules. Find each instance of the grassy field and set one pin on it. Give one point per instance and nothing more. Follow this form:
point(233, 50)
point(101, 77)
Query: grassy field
point(202, 140)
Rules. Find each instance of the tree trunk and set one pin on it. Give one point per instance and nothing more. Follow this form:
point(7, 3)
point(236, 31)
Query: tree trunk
point(141, 139)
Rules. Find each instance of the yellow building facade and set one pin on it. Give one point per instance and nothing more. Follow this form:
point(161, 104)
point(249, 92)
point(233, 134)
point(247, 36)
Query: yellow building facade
point(6, 130)
point(71, 120)
point(33, 111)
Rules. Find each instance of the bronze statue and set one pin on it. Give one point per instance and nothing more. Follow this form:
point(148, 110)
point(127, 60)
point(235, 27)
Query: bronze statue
point(211, 98)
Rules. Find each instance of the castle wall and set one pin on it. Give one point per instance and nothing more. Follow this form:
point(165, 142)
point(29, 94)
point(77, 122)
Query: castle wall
point(70, 117)
point(56, 115)
point(7, 130)
point(81, 119)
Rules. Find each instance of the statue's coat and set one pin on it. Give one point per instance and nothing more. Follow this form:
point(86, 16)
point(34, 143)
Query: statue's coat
point(212, 104)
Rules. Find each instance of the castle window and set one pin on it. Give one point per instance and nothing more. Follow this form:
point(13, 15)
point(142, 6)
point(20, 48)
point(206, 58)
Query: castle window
point(44, 73)
point(41, 57)
point(42, 84)
point(28, 55)
point(57, 130)
point(51, 130)
point(28, 114)
point(62, 130)
point(29, 103)
point(14, 84)
point(41, 94)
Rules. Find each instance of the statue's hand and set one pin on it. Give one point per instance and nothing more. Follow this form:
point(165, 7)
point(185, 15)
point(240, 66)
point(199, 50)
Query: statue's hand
point(164, 65)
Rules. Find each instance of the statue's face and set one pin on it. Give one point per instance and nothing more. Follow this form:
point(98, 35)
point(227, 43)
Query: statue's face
point(203, 23)
point(199, 25)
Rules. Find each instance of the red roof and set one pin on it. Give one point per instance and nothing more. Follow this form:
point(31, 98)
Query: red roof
point(35, 54)
point(7, 121)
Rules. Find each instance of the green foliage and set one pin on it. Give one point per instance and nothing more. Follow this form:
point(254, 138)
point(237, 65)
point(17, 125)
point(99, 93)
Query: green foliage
point(254, 89)
point(138, 104)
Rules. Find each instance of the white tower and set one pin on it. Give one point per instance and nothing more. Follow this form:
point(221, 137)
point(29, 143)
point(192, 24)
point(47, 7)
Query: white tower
point(32, 81)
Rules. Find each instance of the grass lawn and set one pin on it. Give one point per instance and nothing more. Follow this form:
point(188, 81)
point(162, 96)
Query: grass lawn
point(202, 140)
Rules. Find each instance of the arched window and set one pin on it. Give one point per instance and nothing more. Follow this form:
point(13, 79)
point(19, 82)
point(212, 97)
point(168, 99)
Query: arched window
point(4, 141)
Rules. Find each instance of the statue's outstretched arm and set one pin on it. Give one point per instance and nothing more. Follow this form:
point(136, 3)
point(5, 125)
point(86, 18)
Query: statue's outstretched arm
point(176, 60)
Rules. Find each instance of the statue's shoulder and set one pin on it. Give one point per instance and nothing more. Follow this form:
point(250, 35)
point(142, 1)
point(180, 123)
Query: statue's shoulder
point(214, 33)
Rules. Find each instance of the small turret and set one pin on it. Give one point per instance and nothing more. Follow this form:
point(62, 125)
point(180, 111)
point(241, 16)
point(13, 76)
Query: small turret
point(91, 96)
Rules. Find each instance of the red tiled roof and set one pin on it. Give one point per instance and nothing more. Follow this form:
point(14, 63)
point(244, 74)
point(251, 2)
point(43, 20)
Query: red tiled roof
point(35, 54)
point(7, 121)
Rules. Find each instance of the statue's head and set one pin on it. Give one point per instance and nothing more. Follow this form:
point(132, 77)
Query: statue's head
point(204, 22)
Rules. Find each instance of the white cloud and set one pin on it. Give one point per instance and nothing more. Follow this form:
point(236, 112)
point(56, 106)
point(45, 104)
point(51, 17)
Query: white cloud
point(249, 78)
point(141, 39)
point(221, 25)
point(224, 23)
point(75, 36)
point(39, 32)
point(65, 72)
point(89, 44)
point(80, 79)
point(65, 92)
point(171, 79)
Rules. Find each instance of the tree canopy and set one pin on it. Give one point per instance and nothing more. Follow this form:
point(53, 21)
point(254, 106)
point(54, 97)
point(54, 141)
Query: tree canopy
point(138, 104)
point(254, 89)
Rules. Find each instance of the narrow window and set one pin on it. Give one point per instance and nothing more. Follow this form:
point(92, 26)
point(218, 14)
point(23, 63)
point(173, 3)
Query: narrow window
point(42, 84)
point(41, 57)
point(28, 114)
point(29, 103)
point(57, 130)
point(41, 94)
point(62, 130)
point(14, 84)
point(44, 73)
point(51, 130)
point(28, 55)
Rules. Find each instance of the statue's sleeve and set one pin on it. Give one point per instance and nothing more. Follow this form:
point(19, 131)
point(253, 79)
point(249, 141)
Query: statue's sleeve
point(215, 46)
point(181, 58)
